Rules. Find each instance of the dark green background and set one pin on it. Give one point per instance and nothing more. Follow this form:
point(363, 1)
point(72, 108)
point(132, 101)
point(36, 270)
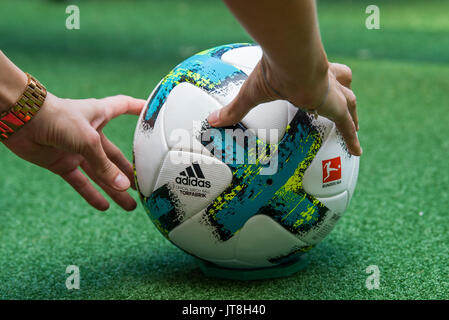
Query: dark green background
point(401, 79)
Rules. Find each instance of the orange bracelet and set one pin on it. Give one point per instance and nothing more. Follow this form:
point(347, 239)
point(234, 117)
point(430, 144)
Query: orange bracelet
point(24, 109)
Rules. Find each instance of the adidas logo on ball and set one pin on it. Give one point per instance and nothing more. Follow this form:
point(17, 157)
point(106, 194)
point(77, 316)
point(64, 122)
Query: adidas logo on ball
point(193, 176)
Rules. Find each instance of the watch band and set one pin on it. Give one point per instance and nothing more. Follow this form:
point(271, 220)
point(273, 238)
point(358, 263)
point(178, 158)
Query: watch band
point(24, 110)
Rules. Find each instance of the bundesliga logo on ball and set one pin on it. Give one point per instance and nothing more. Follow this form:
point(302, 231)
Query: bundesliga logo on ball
point(331, 172)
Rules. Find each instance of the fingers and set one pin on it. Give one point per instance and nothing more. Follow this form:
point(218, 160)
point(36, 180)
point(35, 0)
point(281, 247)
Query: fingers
point(100, 111)
point(117, 157)
point(105, 170)
point(105, 159)
point(82, 185)
point(117, 105)
point(340, 106)
point(337, 109)
point(352, 105)
point(122, 198)
point(85, 188)
point(342, 72)
point(253, 92)
point(346, 119)
point(231, 114)
point(346, 127)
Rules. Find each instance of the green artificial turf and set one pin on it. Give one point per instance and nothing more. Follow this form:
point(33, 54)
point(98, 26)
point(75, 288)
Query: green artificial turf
point(401, 79)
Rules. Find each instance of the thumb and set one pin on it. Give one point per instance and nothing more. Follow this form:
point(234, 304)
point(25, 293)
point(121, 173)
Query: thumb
point(103, 168)
point(253, 92)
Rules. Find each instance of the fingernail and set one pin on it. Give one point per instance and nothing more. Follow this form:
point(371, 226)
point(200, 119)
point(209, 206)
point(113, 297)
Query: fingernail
point(357, 153)
point(131, 207)
point(121, 182)
point(214, 117)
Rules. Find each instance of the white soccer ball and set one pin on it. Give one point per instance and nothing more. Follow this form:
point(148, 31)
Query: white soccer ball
point(254, 195)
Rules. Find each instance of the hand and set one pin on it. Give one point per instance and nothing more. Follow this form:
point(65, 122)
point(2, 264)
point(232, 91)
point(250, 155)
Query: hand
point(339, 105)
point(67, 134)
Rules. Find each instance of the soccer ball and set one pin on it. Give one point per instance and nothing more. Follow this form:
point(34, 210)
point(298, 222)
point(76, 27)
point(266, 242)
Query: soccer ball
point(257, 194)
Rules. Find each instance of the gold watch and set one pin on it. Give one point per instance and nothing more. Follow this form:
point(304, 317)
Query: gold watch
point(24, 110)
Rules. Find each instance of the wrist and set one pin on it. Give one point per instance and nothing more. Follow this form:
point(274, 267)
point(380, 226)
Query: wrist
point(11, 93)
point(12, 83)
point(22, 111)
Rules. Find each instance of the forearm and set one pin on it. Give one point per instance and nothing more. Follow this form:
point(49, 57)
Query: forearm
point(12, 83)
point(288, 32)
